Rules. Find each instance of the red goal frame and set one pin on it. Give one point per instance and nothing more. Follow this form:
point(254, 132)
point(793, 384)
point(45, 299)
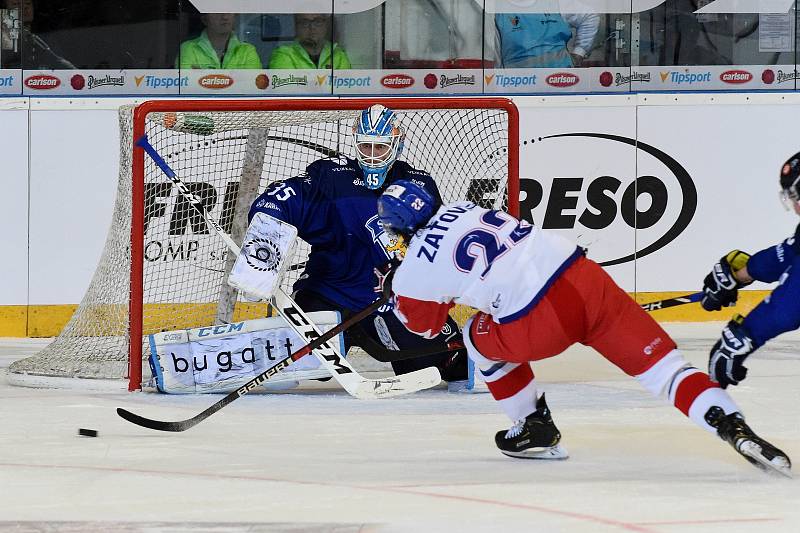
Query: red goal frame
point(135, 324)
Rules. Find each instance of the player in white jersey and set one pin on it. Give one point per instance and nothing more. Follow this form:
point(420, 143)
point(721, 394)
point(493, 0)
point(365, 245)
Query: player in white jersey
point(537, 294)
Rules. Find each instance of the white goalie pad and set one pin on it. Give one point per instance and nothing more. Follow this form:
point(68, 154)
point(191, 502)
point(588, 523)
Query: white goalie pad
point(266, 253)
point(220, 359)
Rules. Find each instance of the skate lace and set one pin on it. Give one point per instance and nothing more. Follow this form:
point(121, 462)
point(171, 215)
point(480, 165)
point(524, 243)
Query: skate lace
point(516, 429)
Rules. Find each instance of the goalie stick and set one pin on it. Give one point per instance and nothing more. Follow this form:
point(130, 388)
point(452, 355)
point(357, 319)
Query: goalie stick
point(341, 369)
point(183, 425)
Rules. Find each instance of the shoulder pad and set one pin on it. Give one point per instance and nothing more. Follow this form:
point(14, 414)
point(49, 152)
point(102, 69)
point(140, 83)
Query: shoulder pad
point(406, 171)
point(331, 164)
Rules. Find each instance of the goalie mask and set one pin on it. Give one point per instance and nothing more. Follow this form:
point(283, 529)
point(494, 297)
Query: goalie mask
point(378, 141)
point(790, 182)
point(405, 207)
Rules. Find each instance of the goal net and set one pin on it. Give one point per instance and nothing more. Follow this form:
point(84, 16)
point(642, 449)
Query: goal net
point(162, 269)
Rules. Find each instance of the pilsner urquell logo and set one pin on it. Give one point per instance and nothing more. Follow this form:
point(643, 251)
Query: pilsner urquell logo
point(291, 79)
point(93, 82)
point(635, 76)
point(458, 79)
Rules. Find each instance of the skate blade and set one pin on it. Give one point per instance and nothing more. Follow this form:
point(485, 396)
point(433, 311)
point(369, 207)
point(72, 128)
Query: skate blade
point(556, 452)
point(779, 464)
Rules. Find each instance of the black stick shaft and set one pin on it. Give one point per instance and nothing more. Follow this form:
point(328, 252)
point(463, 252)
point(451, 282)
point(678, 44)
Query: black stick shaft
point(672, 302)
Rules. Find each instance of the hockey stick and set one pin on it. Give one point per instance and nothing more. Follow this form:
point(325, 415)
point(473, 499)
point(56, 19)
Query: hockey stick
point(341, 369)
point(183, 425)
point(672, 302)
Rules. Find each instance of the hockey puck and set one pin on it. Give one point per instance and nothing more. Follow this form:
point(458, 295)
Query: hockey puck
point(83, 432)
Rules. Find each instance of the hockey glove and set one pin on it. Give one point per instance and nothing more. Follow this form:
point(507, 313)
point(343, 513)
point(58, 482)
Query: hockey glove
point(720, 287)
point(383, 285)
point(726, 361)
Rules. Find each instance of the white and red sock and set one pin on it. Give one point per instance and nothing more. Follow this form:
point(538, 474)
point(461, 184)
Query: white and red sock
point(687, 388)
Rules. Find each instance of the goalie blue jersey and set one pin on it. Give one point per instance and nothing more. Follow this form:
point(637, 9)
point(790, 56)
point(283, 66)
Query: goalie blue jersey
point(780, 311)
point(337, 215)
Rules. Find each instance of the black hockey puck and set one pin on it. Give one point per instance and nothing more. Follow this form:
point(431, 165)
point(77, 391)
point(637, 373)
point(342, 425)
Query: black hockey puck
point(83, 432)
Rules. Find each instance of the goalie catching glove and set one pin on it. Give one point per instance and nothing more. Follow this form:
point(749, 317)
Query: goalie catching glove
point(720, 286)
point(726, 361)
point(266, 253)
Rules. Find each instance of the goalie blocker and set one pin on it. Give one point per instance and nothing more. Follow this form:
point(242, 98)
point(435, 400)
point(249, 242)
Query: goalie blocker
point(222, 358)
point(266, 253)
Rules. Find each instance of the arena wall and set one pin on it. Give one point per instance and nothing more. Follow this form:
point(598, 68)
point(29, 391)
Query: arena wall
point(697, 174)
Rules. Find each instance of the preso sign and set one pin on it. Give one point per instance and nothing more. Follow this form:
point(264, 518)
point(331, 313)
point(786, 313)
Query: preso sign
point(599, 197)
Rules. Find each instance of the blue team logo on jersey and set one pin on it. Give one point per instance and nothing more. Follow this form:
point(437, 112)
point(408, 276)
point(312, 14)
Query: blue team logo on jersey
point(386, 241)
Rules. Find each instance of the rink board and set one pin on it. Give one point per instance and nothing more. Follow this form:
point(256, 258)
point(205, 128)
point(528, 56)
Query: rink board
point(657, 187)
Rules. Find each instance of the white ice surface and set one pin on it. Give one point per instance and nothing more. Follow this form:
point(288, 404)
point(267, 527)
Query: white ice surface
point(322, 461)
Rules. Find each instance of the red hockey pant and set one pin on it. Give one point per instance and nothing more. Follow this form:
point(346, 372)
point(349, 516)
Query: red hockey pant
point(584, 305)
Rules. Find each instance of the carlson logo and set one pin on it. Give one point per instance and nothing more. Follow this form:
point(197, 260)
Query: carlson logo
point(42, 82)
point(562, 79)
point(735, 76)
point(397, 81)
point(602, 197)
point(215, 81)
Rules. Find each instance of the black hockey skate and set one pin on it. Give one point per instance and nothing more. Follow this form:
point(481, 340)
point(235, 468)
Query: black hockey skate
point(534, 437)
point(733, 430)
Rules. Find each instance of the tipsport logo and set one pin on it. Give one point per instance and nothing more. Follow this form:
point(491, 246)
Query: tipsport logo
point(503, 80)
point(685, 78)
point(7, 81)
point(161, 82)
point(343, 82)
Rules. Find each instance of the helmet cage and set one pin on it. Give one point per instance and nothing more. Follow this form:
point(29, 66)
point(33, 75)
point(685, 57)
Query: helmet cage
point(367, 145)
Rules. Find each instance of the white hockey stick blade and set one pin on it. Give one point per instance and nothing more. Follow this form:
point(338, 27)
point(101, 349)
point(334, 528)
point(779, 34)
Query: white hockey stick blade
point(398, 385)
point(341, 369)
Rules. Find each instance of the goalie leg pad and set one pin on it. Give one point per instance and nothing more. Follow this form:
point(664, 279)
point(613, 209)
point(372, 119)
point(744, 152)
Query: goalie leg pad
point(222, 358)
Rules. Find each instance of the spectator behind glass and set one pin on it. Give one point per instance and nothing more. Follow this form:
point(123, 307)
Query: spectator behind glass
point(217, 46)
point(540, 39)
point(312, 47)
point(23, 48)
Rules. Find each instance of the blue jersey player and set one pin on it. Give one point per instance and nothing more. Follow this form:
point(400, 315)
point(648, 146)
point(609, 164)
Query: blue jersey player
point(777, 313)
point(333, 205)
